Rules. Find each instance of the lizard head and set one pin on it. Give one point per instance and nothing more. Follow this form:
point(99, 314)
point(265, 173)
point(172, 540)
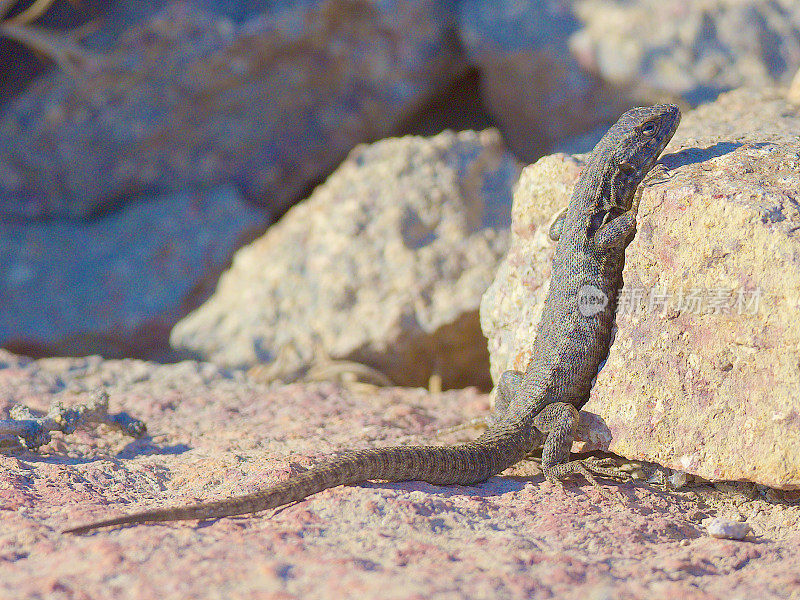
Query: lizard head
point(631, 147)
point(618, 164)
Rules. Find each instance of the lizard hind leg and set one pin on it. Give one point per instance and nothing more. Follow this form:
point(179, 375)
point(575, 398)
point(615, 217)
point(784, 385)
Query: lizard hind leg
point(559, 420)
point(507, 389)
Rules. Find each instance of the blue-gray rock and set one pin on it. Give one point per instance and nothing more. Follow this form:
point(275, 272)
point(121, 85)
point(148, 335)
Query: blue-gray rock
point(532, 84)
point(190, 98)
point(690, 51)
point(115, 285)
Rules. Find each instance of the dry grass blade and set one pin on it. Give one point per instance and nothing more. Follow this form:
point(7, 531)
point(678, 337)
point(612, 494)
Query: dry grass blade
point(5, 6)
point(61, 48)
point(34, 11)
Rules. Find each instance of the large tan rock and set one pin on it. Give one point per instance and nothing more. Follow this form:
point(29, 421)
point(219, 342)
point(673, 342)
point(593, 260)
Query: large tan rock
point(384, 264)
point(704, 374)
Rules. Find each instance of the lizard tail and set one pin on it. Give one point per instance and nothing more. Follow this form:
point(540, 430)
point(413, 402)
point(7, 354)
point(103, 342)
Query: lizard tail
point(497, 449)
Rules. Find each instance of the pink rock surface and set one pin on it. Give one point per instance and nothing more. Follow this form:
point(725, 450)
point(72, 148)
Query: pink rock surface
point(215, 433)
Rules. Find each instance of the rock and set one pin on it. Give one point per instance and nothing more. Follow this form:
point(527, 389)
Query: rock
point(679, 479)
point(553, 72)
point(703, 375)
point(217, 433)
point(384, 265)
point(721, 527)
point(532, 84)
point(793, 93)
point(116, 285)
point(688, 50)
point(189, 98)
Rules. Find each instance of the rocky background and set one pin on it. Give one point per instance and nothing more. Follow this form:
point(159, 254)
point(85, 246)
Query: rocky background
point(315, 212)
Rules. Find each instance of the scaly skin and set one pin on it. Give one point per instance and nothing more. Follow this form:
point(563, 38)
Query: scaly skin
point(539, 407)
point(595, 230)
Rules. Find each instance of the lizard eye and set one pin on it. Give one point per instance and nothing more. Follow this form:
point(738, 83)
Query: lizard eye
point(648, 129)
point(626, 169)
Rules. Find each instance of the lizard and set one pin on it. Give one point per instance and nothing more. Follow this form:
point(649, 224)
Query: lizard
point(537, 408)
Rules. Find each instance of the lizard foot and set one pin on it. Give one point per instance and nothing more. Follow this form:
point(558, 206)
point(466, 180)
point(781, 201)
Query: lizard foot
point(606, 466)
point(588, 468)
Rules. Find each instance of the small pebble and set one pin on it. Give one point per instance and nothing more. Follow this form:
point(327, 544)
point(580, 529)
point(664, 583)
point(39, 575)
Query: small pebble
point(721, 527)
point(678, 479)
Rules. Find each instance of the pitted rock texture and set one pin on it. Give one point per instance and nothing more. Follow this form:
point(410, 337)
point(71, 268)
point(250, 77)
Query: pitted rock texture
point(703, 375)
point(117, 284)
point(384, 264)
point(216, 433)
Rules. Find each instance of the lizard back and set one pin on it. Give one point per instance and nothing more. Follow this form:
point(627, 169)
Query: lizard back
point(575, 329)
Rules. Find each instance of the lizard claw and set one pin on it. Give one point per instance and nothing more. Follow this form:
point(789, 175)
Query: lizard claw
point(588, 468)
